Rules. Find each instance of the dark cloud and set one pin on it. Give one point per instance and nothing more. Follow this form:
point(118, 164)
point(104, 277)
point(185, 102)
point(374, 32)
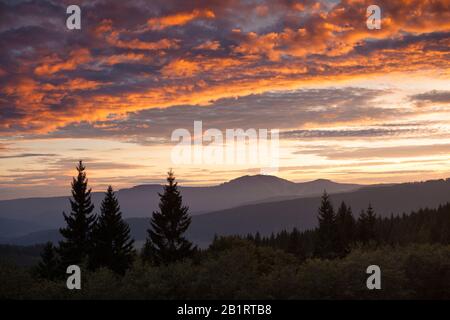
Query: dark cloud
point(432, 97)
point(28, 155)
point(349, 133)
point(403, 151)
point(135, 55)
point(272, 110)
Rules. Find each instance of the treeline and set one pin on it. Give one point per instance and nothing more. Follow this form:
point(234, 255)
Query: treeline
point(238, 269)
point(20, 255)
point(104, 241)
point(339, 232)
point(328, 262)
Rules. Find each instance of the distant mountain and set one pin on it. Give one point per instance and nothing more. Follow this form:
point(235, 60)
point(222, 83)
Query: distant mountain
point(38, 237)
point(15, 228)
point(142, 200)
point(301, 212)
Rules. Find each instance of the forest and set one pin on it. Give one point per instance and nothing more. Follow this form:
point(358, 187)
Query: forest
point(328, 262)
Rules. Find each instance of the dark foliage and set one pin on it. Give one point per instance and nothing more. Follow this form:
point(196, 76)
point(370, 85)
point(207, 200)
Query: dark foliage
point(237, 269)
point(366, 226)
point(327, 243)
point(49, 265)
point(112, 246)
point(423, 226)
point(166, 242)
point(328, 262)
point(346, 225)
point(21, 255)
point(76, 245)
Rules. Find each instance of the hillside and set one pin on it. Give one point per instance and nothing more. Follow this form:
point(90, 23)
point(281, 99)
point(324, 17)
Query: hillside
point(300, 213)
point(142, 200)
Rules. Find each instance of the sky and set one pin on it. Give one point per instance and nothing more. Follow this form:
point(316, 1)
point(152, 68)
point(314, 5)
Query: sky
point(351, 104)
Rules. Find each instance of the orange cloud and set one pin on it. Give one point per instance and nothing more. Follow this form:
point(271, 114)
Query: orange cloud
point(338, 31)
point(209, 45)
point(180, 68)
point(124, 58)
point(114, 40)
point(105, 30)
point(179, 19)
point(319, 50)
point(54, 64)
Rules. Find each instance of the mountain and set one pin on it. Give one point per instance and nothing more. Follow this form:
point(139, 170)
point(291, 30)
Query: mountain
point(302, 212)
point(15, 228)
point(142, 200)
point(38, 237)
point(270, 217)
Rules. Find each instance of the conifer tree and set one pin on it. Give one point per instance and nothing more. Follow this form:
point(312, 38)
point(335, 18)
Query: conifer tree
point(371, 222)
point(327, 243)
point(49, 266)
point(362, 227)
point(257, 238)
point(111, 241)
point(366, 225)
point(346, 227)
point(166, 242)
point(295, 245)
point(76, 245)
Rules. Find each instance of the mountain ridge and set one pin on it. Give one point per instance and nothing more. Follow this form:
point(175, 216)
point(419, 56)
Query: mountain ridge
point(300, 213)
point(142, 200)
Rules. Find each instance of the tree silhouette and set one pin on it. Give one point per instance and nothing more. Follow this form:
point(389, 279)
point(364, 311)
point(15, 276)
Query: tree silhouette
point(366, 225)
point(327, 245)
point(77, 234)
point(112, 245)
point(371, 223)
point(346, 226)
point(166, 242)
point(49, 266)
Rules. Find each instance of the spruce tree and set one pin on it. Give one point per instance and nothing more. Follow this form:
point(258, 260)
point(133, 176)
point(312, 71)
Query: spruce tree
point(371, 223)
point(295, 245)
point(327, 245)
point(166, 242)
point(49, 266)
point(111, 241)
point(362, 227)
point(76, 245)
point(366, 226)
point(257, 238)
point(346, 227)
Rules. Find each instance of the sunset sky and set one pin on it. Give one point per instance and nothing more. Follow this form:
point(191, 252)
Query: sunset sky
point(351, 104)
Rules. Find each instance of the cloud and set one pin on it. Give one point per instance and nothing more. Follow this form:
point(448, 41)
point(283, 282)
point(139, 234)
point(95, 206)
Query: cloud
point(53, 64)
point(273, 110)
point(208, 45)
point(431, 98)
point(179, 19)
point(401, 151)
point(28, 155)
point(129, 57)
point(348, 133)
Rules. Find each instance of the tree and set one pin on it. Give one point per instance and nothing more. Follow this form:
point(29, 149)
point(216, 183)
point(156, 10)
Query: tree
point(327, 245)
point(111, 241)
point(346, 226)
point(295, 244)
point(257, 238)
point(48, 267)
point(362, 227)
point(371, 223)
point(76, 245)
point(366, 225)
point(166, 242)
